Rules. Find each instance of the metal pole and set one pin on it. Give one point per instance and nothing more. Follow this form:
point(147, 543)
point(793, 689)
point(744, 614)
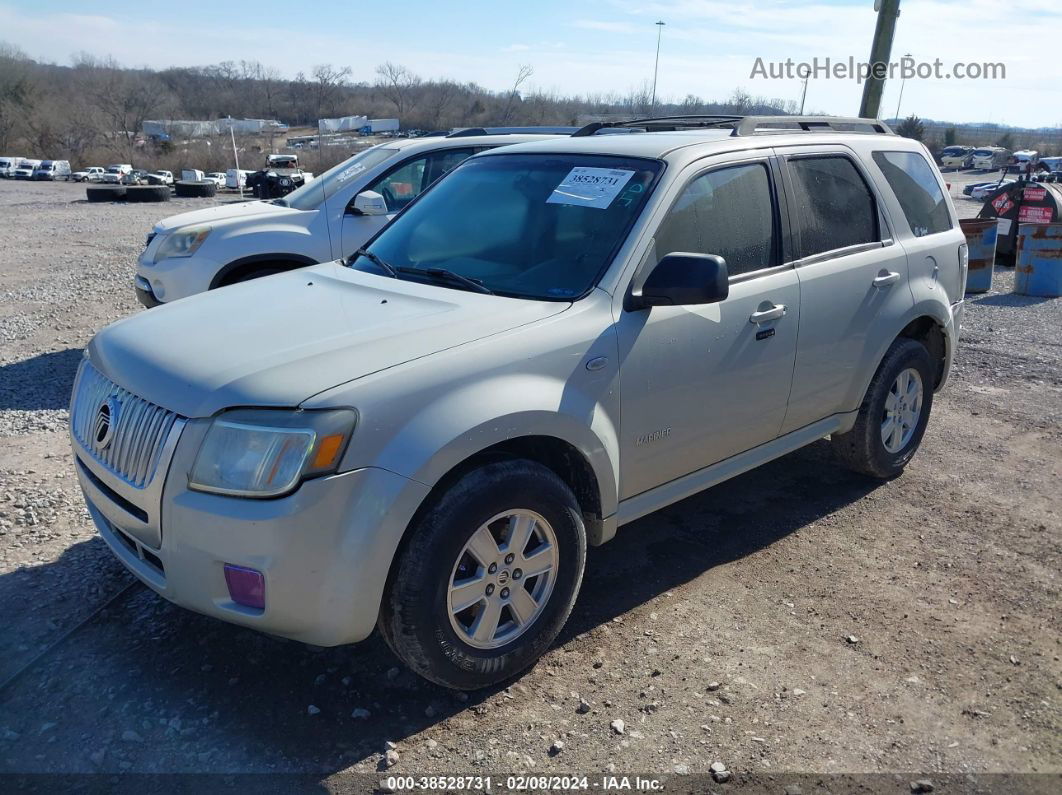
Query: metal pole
point(656, 66)
point(804, 94)
point(880, 50)
point(236, 156)
point(903, 80)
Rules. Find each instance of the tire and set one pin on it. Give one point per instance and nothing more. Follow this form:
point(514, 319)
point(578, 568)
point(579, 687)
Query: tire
point(110, 193)
point(195, 189)
point(415, 617)
point(864, 448)
point(147, 193)
point(256, 274)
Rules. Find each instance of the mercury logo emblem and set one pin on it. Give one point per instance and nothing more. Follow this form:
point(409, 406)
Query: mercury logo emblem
point(106, 420)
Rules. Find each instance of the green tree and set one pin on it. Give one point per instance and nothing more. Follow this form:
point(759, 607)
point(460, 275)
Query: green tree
point(949, 136)
point(912, 127)
point(1006, 140)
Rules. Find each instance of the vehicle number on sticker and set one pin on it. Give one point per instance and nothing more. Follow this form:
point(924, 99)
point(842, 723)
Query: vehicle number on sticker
point(586, 186)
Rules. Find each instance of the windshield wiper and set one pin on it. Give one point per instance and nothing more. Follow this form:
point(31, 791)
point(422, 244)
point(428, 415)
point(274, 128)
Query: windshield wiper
point(450, 276)
point(387, 267)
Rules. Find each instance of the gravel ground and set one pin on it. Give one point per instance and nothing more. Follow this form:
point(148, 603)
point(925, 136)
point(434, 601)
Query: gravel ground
point(798, 619)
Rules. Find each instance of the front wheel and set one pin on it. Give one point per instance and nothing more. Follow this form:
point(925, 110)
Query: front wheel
point(893, 416)
point(487, 577)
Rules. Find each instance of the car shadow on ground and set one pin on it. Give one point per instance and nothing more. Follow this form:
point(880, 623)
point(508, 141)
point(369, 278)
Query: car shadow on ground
point(205, 696)
point(1010, 299)
point(43, 381)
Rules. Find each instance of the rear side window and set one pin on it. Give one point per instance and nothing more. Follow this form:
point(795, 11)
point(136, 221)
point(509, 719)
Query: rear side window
point(917, 190)
point(834, 206)
point(728, 212)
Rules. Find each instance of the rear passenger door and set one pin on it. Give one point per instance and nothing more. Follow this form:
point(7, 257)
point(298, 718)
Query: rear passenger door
point(853, 279)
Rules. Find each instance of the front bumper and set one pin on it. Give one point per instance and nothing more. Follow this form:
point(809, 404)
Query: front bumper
point(325, 550)
point(144, 293)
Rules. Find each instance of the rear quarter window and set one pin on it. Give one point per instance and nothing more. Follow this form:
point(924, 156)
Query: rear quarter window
point(917, 190)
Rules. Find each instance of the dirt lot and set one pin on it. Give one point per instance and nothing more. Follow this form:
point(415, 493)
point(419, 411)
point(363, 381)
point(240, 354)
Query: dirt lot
point(797, 619)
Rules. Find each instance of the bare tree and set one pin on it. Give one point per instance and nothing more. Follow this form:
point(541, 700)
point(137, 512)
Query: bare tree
point(398, 84)
point(328, 88)
point(522, 75)
point(15, 91)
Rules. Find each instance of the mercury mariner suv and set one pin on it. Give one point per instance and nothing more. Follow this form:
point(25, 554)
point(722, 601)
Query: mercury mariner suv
point(553, 340)
point(327, 218)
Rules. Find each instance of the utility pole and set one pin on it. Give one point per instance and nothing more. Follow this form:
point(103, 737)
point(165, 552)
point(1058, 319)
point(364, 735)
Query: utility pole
point(880, 50)
point(804, 94)
point(656, 66)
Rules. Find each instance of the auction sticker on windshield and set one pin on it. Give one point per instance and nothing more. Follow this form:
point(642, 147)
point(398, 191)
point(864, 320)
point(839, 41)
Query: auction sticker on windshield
point(590, 187)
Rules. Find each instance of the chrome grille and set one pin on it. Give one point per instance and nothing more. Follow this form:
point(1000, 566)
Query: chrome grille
point(138, 436)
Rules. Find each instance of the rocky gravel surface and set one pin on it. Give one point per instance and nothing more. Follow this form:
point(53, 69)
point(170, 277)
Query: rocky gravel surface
point(798, 619)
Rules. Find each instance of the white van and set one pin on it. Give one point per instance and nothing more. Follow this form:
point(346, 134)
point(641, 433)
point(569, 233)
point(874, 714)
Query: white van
point(115, 172)
point(52, 169)
point(236, 178)
point(25, 168)
point(8, 166)
point(990, 158)
point(955, 157)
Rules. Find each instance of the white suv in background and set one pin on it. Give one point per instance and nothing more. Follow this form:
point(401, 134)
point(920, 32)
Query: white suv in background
point(327, 218)
point(553, 340)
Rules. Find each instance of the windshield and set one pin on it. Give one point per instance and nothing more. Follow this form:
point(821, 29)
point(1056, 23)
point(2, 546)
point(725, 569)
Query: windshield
point(983, 153)
point(528, 226)
point(312, 194)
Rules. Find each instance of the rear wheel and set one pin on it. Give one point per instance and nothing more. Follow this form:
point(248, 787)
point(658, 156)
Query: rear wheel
point(893, 416)
point(488, 577)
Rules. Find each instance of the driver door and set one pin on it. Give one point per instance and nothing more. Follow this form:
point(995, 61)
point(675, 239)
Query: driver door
point(702, 383)
point(398, 187)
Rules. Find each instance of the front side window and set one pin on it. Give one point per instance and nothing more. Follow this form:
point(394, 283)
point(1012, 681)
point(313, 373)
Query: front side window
point(313, 193)
point(917, 190)
point(728, 212)
point(532, 226)
point(409, 180)
point(834, 206)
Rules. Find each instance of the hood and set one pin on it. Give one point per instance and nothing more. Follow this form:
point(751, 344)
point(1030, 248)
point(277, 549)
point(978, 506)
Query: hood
point(222, 212)
point(280, 340)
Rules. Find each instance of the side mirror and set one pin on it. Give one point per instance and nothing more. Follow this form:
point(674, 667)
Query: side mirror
point(368, 202)
point(681, 279)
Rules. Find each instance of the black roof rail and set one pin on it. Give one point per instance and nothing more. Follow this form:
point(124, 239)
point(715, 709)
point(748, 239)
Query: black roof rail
point(660, 123)
point(544, 130)
point(768, 125)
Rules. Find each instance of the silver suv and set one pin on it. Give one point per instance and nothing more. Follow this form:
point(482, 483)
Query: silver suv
point(554, 340)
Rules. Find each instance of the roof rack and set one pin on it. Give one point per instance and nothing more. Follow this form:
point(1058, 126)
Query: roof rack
point(768, 125)
point(468, 131)
point(744, 125)
point(660, 123)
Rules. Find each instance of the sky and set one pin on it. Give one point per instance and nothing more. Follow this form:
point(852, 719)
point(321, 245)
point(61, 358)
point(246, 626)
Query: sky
point(708, 47)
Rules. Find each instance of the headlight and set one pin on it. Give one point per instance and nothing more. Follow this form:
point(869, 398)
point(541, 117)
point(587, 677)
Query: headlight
point(266, 453)
point(182, 243)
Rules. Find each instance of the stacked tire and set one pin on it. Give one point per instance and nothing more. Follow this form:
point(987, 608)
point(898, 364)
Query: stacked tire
point(106, 193)
point(195, 189)
point(147, 193)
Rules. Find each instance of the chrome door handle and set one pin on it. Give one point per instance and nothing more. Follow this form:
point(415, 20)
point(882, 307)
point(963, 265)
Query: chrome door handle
point(885, 279)
point(767, 315)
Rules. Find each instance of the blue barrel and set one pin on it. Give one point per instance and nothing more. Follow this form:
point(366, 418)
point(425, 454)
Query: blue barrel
point(1038, 264)
point(981, 242)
